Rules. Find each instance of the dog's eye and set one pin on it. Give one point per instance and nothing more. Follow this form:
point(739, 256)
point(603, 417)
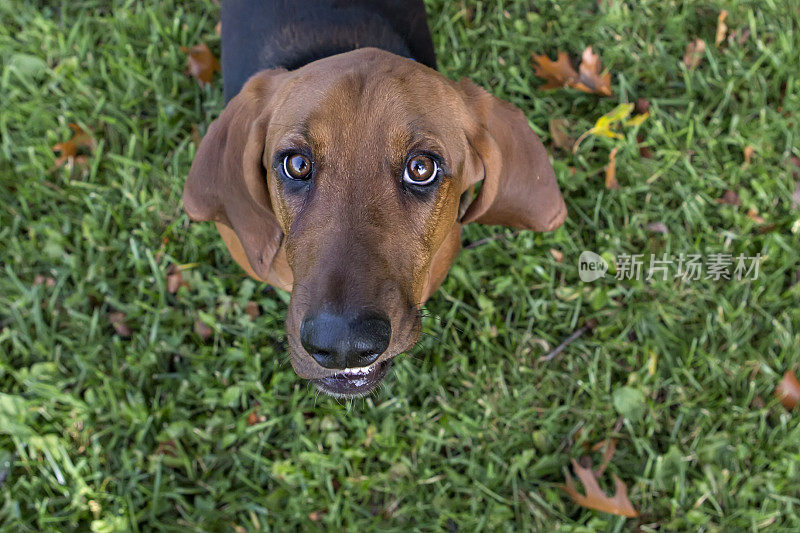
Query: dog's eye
point(297, 166)
point(420, 170)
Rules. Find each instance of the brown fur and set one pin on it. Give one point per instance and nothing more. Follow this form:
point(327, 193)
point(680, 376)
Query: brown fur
point(356, 238)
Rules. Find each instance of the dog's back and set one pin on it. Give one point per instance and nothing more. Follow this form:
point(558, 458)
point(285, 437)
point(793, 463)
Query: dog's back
point(264, 34)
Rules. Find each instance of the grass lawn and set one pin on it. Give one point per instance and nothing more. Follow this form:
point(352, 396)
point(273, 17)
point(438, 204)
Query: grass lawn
point(167, 430)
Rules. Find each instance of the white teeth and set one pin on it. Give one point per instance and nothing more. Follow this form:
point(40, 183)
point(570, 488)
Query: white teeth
point(357, 371)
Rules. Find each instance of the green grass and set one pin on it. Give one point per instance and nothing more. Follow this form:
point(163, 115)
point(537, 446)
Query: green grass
point(469, 432)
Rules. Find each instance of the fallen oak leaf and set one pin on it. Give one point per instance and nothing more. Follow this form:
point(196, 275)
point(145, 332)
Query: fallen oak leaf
point(77, 149)
point(201, 63)
point(611, 170)
point(595, 498)
point(788, 390)
point(722, 28)
point(558, 73)
point(694, 53)
point(591, 79)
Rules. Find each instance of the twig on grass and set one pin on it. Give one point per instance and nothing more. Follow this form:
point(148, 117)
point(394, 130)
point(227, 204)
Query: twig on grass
point(588, 326)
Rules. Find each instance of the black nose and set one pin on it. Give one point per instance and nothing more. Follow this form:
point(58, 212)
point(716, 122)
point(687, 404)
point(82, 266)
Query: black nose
point(345, 341)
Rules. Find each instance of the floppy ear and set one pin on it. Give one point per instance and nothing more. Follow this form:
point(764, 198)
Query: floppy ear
point(519, 187)
point(227, 180)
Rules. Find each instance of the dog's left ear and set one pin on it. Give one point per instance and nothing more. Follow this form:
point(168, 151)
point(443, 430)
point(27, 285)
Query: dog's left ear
point(519, 186)
point(227, 180)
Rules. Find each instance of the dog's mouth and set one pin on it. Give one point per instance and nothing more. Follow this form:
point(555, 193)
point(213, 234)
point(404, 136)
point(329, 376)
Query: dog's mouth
point(352, 382)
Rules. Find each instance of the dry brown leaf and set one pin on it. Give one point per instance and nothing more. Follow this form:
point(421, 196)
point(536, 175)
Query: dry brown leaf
point(201, 63)
point(120, 323)
point(76, 150)
point(253, 418)
point(557, 255)
point(658, 227)
point(591, 77)
point(611, 170)
point(788, 390)
point(559, 130)
point(595, 498)
point(722, 28)
point(753, 215)
point(252, 310)
point(175, 279)
point(729, 197)
point(694, 53)
point(558, 73)
point(316, 516)
point(642, 106)
point(218, 28)
point(41, 279)
point(748, 154)
point(203, 329)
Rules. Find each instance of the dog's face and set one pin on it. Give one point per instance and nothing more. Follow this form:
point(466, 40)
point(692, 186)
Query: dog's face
point(347, 182)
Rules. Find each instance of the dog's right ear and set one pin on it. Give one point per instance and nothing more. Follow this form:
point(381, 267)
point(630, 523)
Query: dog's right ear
point(227, 180)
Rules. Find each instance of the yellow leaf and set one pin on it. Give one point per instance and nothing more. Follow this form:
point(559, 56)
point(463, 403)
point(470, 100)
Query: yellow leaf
point(620, 112)
point(637, 120)
point(602, 127)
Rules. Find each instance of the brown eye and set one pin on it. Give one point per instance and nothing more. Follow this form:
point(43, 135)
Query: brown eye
point(420, 170)
point(297, 166)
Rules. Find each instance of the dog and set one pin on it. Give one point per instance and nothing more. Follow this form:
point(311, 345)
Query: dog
point(343, 168)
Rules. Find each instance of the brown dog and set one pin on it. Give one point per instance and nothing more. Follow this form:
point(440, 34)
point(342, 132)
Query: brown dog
point(347, 182)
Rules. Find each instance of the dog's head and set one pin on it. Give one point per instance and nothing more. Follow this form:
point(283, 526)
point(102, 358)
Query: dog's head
point(347, 182)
